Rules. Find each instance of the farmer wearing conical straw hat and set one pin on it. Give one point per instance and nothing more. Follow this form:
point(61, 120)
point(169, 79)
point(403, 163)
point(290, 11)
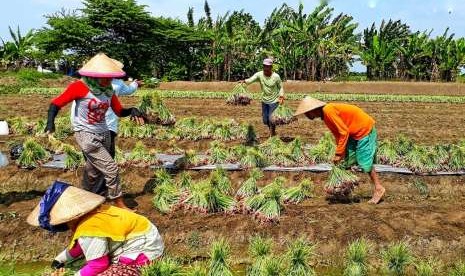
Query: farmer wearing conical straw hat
point(272, 92)
point(94, 94)
point(120, 88)
point(355, 134)
point(113, 241)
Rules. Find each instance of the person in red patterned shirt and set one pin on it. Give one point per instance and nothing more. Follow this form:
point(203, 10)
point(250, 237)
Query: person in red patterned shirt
point(94, 94)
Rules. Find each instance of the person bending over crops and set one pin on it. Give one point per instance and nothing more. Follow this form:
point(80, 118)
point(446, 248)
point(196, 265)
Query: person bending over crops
point(355, 134)
point(120, 88)
point(113, 241)
point(94, 95)
point(272, 92)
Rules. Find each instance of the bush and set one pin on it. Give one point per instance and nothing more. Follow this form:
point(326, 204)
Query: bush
point(33, 76)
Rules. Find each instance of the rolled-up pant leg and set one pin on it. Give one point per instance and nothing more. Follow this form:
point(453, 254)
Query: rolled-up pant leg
point(99, 162)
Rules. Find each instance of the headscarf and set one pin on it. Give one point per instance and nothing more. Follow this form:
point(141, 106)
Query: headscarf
point(96, 88)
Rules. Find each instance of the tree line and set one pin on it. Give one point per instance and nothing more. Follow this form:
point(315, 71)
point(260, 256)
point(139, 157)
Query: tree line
point(314, 46)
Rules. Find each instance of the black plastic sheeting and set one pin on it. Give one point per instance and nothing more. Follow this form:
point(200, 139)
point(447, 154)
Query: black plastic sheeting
point(169, 160)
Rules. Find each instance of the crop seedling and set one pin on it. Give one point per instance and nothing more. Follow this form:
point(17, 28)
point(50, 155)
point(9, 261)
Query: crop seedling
point(324, 151)
point(19, 125)
point(63, 127)
point(219, 259)
point(357, 258)
point(166, 196)
point(458, 269)
point(32, 154)
point(74, 158)
point(163, 267)
point(259, 250)
point(155, 110)
point(387, 153)
point(141, 156)
point(219, 180)
point(267, 205)
point(197, 269)
point(253, 158)
point(161, 176)
point(185, 180)
point(421, 159)
point(217, 153)
point(299, 193)
point(354, 269)
point(429, 267)
point(272, 266)
point(39, 127)
point(298, 255)
point(240, 96)
point(272, 146)
point(190, 159)
point(296, 150)
point(282, 115)
point(403, 144)
point(120, 157)
point(127, 128)
point(249, 187)
point(456, 158)
point(397, 257)
point(340, 183)
point(204, 197)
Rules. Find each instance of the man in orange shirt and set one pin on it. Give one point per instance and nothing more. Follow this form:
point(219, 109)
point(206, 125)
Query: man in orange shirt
point(355, 134)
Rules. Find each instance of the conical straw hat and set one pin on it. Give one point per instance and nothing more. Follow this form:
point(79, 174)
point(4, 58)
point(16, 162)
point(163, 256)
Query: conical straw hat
point(118, 63)
point(308, 104)
point(101, 66)
point(72, 204)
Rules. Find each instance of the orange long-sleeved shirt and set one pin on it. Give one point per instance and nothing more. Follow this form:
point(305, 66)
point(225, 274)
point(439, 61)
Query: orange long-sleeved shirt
point(344, 121)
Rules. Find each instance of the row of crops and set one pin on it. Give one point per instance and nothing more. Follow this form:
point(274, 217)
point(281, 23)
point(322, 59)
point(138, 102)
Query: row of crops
point(396, 259)
point(399, 152)
point(290, 96)
point(299, 257)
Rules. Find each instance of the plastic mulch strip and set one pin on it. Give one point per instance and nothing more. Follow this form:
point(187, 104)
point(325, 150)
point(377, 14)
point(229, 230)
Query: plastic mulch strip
point(169, 160)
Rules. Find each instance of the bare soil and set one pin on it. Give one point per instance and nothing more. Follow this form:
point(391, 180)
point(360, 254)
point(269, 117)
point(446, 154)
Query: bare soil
point(433, 225)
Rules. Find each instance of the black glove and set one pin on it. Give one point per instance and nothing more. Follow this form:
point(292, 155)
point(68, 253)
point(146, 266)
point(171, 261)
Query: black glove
point(56, 264)
point(52, 113)
point(133, 112)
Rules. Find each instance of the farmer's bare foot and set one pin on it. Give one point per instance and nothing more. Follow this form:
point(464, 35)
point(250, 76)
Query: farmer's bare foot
point(377, 195)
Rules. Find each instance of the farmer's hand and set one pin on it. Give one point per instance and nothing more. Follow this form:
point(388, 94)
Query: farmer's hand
point(241, 81)
point(139, 83)
point(337, 159)
point(281, 99)
point(137, 116)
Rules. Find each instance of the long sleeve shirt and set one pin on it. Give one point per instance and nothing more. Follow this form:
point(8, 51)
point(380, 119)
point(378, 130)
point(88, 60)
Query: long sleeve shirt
point(272, 87)
point(121, 89)
point(89, 111)
point(346, 121)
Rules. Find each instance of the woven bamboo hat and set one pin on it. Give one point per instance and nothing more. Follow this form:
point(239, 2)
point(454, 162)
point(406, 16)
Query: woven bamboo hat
point(308, 104)
point(72, 204)
point(101, 66)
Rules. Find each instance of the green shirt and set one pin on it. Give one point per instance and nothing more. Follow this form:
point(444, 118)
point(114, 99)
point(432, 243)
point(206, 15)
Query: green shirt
point(271, 86)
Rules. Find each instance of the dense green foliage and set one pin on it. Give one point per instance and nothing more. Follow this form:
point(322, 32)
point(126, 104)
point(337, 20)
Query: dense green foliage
point(320, 45)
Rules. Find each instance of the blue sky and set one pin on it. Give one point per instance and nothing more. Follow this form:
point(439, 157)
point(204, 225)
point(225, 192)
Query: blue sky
point(419, 14)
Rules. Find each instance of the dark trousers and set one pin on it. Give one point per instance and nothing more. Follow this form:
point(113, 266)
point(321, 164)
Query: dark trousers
point(100, 186)
point(267, 110)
